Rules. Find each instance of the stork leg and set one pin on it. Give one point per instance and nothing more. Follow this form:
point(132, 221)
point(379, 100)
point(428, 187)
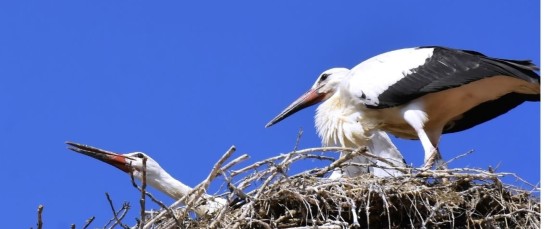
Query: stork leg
point(381, 145)
point(431, 152)
point(434, 158)
point(355, 170)
point(417, 118)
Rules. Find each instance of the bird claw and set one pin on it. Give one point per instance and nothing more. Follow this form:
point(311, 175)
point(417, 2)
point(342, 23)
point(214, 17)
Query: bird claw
point(434, 159)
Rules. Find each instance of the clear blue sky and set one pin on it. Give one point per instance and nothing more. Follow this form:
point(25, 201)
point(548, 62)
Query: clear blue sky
point(183, 82)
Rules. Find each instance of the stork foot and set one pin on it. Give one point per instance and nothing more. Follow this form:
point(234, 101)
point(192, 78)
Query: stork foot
point(434, 159)
point(430, 162)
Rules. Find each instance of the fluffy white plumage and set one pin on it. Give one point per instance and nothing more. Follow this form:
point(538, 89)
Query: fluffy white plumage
point(339, 124)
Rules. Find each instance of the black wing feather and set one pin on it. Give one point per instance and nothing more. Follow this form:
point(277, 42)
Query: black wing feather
point(449, 68)
point(487, 111)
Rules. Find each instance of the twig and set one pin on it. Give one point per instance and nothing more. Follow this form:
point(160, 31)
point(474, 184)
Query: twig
point(323, 149)
point(122, 212)
point(300, 132)
point(235, 194)
point(304, 151)
point(430, 217)
point(460, 156)
point(39, 223)
point(235, 161)
point(341, 160)
point(319, 227)
point(367, 207)
point(88, 222)
point(201, 188)
point(115, 214)
point(143, 187)
point(261, 223)
point(355, 223)
point(509, 215)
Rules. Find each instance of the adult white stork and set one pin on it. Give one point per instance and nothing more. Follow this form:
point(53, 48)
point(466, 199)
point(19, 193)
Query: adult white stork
point(421, 93)
point(337, 125)
point(156, 177)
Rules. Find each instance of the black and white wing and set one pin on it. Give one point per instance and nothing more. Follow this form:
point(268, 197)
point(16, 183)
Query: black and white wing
point(397, 77)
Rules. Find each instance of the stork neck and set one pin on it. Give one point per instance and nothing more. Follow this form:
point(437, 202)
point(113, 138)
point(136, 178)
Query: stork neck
point(175, 189)
point(169, 186)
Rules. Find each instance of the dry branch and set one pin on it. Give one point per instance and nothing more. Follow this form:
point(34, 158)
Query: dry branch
point(88, 222)
point(39, 223)
point(116, 218)
point(143, 187)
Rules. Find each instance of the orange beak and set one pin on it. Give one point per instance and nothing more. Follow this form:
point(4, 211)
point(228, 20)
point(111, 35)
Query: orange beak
point(309, 98)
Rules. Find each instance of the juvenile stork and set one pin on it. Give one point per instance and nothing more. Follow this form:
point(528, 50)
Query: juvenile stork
point(156, 177)
point(420, 93)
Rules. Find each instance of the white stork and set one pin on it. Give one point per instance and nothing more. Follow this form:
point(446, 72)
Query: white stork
point(420, 93)
point(157, 177)
point(337, 124)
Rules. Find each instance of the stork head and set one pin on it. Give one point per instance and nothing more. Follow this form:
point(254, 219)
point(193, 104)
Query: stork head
point(131, 163)
point(324, 87)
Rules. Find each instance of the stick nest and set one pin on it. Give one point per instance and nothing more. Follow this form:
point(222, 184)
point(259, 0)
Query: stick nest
point(455, 198)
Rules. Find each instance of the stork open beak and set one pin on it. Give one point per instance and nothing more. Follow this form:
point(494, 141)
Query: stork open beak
point(108, 157)
point(309, 98)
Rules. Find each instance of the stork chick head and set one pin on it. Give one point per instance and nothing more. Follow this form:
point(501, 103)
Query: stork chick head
point(131, 163)
point(324, 87)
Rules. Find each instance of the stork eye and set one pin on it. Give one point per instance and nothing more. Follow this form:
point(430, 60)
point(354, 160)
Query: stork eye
point(324, 76)
point(140, 155)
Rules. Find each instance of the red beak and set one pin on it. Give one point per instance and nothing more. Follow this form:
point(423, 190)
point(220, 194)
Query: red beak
point(114, 159)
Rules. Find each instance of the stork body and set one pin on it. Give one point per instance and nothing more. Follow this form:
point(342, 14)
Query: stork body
point(156, 176)
point(424, 92)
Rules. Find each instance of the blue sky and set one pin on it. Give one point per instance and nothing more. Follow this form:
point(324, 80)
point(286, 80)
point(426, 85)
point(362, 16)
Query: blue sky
point(185, 81)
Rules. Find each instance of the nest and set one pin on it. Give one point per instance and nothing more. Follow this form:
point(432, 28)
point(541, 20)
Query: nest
point(264, 195)
point(455, 198)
